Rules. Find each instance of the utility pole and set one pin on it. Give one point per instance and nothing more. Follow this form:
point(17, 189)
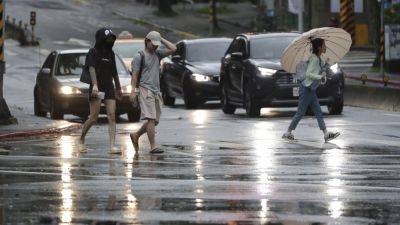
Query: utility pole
point(300, 16)
point(5, 115)
point(213, 16)
point(382, 40)
point(347, 17)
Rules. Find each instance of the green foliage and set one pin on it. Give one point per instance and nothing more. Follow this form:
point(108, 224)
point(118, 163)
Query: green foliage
point(223, 9)
point(392, 14)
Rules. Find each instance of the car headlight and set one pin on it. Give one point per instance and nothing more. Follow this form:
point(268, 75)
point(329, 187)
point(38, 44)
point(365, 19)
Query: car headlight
point(200, 77)
point(127, 89)
point(67, 90)
point(266, 72)
point(335, 68)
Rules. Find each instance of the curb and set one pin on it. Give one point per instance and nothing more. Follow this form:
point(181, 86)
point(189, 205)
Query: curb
point(156, 26)
point(383, 98)
point(39, 132)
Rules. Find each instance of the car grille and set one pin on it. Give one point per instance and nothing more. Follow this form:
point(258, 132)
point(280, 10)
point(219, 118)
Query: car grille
point(283, 77)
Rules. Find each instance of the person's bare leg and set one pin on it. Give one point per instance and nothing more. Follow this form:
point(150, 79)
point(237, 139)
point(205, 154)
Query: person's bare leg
point(94, 106)
point(110, 106)
point(136, 135)
point(151, 133)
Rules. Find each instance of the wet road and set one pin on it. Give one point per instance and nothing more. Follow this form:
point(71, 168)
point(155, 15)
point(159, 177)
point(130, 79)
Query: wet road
point(217, 169)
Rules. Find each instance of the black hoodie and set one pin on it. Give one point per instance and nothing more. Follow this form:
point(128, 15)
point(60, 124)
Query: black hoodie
point(102, 58)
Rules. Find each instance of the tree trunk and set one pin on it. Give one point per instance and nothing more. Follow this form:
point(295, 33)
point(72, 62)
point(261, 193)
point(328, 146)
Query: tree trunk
point(377, 25)
point(213, 16)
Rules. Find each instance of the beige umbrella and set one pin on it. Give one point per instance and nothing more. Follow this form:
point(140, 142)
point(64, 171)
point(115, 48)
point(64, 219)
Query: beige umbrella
point(337, 42)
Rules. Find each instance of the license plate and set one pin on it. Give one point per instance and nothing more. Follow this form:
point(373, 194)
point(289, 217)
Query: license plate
point(296, 91)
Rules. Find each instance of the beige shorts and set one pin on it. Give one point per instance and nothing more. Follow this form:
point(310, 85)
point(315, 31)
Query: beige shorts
point(150, 105)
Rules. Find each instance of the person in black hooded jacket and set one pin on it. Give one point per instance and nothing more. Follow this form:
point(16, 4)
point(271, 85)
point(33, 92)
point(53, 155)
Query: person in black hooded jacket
point(103, 72)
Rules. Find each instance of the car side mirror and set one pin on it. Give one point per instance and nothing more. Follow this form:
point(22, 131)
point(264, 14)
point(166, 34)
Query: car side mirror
point(237, 55)
point(176, 58)
point(46, 71)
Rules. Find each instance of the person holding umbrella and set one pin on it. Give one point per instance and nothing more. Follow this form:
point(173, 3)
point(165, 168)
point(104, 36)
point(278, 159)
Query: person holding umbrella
point(317, 64)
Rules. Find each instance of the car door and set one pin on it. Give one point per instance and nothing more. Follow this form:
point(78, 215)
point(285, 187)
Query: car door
point(44, 80)
point(177, 69)
point(236, 68)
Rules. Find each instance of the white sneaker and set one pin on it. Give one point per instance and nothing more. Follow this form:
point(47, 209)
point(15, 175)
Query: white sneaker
point(330, 136)
point(288, 136)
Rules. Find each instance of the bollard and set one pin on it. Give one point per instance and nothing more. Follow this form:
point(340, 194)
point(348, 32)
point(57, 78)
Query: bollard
point(364, 78)
point(386, 80)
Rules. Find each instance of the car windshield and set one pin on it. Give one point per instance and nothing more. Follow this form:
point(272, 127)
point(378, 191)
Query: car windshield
point(269, 47)
point(206, 52)
point(128, 49)
point(72, 64)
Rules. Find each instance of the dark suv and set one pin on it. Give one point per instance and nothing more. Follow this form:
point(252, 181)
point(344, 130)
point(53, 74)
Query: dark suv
point(193, 71)
point(252, 76)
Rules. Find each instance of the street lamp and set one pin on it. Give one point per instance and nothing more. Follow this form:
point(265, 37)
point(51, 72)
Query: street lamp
point(300, 16)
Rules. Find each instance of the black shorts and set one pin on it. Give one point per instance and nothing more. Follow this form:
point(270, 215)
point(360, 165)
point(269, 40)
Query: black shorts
point(109, 93)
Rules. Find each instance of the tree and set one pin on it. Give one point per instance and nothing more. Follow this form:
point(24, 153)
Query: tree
point(164, 6)
point(213, 16)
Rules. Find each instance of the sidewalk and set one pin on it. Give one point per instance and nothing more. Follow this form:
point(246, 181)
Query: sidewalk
point(30, 125)
point(371, 90)
point(190, 21)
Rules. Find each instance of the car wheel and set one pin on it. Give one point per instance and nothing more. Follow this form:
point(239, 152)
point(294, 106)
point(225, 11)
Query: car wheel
point(168, 100)
point(36, 107)
point(55, 113)
point(226, 107)
point(252, 108)
point(336, 108)
point(134, 115)
point(191, 101)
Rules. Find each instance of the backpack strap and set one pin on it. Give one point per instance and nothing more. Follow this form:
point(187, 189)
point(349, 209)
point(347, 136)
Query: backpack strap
point(141, 53)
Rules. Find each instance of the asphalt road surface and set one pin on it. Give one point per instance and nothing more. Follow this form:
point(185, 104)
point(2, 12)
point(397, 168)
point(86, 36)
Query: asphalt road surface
point(217, 169)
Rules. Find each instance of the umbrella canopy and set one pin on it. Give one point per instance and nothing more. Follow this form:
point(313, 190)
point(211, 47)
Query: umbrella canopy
point(337, 41)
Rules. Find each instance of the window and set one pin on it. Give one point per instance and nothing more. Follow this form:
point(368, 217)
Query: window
point(70, 64)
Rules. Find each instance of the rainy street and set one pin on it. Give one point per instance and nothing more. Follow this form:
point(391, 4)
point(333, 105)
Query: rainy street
point(217, 169)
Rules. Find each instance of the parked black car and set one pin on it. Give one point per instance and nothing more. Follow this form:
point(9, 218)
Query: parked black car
point(192, 72)
point(252, 76)
point(59, 91)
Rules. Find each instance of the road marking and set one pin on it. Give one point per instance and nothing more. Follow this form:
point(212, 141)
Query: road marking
point(191, 181)
point(390, 114)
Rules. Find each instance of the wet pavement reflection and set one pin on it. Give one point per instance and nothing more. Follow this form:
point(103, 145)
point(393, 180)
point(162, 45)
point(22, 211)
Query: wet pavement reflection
point(214, 171)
